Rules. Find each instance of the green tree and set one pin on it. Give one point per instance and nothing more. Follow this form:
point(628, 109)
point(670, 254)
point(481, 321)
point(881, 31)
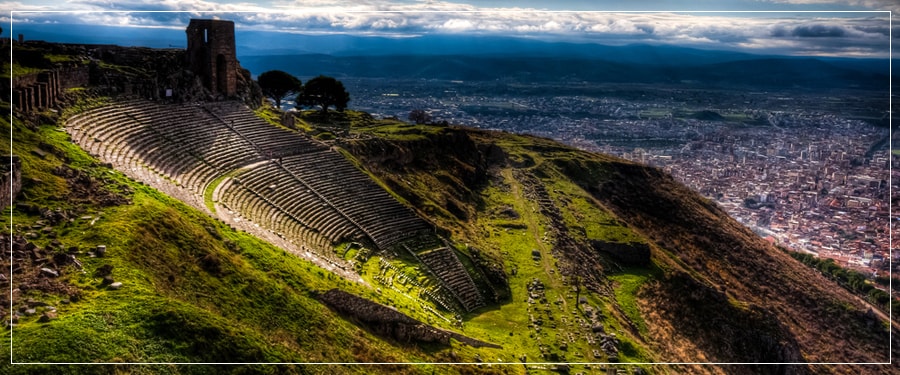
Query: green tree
point(879, 297)
point(277, 85)
point(419, 116)
point(324, 91)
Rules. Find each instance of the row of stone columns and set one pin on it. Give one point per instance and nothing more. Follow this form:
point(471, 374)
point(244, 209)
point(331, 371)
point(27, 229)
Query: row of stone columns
point(39, 95)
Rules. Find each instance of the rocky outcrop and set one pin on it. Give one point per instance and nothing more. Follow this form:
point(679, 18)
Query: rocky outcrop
point(452, 150)
point(248, 91)
point(383, 320)
point(33, 268)
point(387, 322)
point(85, 188)
point(626, 254)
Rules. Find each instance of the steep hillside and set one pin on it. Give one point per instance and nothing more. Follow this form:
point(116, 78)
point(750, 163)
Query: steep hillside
point(679, 279)
point(170, 284)
point(579, 257)
point(731, 263)
point(429, 244)
point(585, 257)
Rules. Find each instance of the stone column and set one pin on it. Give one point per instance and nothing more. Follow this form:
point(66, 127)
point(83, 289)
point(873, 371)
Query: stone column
point(47, 77)
point(29, 99)
point(41, 94)
point(18, 99)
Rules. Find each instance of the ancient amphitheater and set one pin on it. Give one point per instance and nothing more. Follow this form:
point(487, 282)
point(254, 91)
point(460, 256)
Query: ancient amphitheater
point(280, 185)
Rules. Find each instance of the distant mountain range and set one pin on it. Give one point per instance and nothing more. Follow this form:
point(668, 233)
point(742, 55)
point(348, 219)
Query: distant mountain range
point(467, 57)
point(769, 72)
point(484, 58)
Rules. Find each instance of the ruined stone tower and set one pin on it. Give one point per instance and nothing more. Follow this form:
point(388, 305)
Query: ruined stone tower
point(211, 54)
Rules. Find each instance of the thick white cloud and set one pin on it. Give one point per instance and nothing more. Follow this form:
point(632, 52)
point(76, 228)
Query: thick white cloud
point(891, 5)
point(824, 33)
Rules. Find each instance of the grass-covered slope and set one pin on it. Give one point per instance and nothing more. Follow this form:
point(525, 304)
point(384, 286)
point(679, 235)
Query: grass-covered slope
point(619, 245)
point(192, 289)
point(587, 258)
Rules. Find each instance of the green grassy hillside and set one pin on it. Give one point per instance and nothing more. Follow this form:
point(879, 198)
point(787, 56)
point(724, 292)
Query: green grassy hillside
point(666, 270)
point(586, 259)
point(192, 289)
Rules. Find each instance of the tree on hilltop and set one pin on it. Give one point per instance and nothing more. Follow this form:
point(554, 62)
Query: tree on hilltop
point(324, 91)
point(420, 116)
point(277, 85)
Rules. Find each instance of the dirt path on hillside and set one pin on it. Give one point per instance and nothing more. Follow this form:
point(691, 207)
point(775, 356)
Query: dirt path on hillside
point(878, 312)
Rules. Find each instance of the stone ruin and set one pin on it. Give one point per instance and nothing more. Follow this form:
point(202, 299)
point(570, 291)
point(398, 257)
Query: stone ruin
point(37, 91)
point(10, 180)
point(211, 54)
point(207, 70)
point(387, 321)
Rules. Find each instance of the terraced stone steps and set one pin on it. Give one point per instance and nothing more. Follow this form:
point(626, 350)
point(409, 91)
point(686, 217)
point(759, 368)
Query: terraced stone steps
point(278, 181)
point(444, 263)
point(297, 200)
point(354, 194)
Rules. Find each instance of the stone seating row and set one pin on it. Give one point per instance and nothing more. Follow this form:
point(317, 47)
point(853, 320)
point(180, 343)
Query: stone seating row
point(166, 138)
point(112, 136)
point(298, 199)
point(444, 263)
point(271, 141)
point(352, 192)
point(437, 293)
point(252, 206)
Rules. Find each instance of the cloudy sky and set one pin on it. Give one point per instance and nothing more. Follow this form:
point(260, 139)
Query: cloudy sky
point(852, 28)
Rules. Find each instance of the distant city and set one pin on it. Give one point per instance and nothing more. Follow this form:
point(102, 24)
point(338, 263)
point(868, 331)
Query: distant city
point(806, 170)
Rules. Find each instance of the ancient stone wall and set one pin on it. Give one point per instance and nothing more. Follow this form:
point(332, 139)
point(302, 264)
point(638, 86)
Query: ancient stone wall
point(36, 91)
point(77, 76)
point(386, 321)
point(10, 180)
point(627, 254)
point(24, 80)
point(211, 54)
point(383, 320)
point(207, 70)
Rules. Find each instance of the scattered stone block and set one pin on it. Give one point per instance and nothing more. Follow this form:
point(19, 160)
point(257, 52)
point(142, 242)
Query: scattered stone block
point(38, 152)
point(104, 270)
point(49, 272)
point(47, 316)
